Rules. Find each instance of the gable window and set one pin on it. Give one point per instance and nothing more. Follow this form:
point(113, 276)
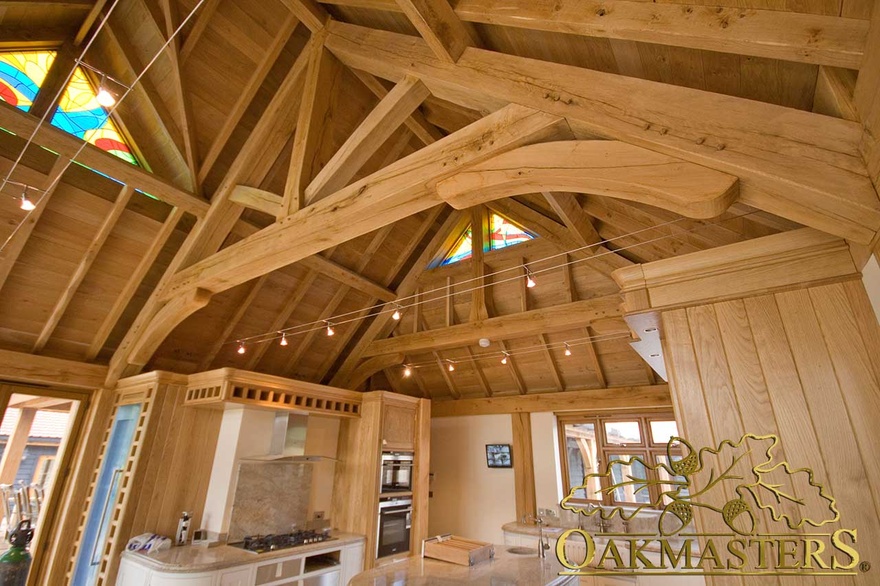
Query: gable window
point(588, 442)
point(79, 113)
point(501, 234)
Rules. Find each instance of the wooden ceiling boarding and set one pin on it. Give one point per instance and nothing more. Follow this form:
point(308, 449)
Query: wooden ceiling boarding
point(291, 154)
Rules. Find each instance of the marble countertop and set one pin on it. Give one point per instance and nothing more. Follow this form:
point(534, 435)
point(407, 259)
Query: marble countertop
point(190, 558)
point(503, 570)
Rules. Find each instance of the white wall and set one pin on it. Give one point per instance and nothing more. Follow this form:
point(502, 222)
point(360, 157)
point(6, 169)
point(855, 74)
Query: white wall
point(470, 499)
point(548, 484)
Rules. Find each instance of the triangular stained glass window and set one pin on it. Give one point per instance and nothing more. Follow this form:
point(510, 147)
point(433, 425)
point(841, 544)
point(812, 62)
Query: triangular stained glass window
point(22, 74)
point(504, 233)
point(79, 113)
point(462, 250)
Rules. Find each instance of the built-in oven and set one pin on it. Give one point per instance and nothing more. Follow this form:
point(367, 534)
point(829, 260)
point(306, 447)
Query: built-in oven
point(397, 471)
point(395, 524)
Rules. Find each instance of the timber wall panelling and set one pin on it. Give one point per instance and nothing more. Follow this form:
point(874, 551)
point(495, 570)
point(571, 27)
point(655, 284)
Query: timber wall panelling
point(799, 362)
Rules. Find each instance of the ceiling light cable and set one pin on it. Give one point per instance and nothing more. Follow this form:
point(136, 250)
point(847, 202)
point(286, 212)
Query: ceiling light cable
point(383, 308)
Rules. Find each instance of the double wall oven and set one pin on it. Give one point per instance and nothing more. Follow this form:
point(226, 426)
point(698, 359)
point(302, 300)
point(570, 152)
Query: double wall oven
point(395, 512)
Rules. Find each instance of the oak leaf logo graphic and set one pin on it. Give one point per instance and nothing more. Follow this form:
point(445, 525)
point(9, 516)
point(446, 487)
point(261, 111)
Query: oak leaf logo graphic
point(747, 468)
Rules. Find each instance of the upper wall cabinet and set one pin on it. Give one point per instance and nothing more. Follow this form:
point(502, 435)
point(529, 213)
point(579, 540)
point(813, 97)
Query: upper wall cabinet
point(399, 427)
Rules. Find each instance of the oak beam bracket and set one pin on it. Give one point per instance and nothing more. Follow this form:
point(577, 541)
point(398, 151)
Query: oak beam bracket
point(601, 167)
point(166, 319)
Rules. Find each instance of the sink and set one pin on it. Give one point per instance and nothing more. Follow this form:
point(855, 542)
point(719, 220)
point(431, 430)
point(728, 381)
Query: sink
point(519, 550)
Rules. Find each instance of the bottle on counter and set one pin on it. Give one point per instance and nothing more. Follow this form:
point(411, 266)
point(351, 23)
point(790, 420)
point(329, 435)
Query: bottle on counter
point(183, 528)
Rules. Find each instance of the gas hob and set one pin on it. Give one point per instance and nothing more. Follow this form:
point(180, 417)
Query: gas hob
point(267, 543)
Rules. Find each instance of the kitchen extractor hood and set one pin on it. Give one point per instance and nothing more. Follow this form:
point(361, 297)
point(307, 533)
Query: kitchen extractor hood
point(288, 441)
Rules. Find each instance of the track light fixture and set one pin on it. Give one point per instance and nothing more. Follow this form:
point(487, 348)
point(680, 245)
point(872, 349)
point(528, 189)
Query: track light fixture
point(396, 315)
point(407, 371)
point(283, 341)
point(567, 349)
point(26, 204)
point(451, 366)
point(504, 359)
point(530, 279)
point(241, 349)
point(330, 330)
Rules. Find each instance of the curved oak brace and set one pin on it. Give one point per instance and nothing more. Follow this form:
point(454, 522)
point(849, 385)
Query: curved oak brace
point(166, 319)
point(602, 167)
point(371, 366)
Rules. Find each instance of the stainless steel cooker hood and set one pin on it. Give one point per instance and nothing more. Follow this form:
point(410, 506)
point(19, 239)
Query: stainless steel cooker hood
point(288, 441)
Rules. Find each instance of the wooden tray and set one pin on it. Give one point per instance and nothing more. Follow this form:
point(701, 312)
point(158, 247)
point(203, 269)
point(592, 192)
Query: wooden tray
point(458, 550)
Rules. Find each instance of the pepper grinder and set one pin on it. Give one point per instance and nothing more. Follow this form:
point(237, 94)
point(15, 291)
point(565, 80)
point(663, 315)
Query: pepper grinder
point(183, 528)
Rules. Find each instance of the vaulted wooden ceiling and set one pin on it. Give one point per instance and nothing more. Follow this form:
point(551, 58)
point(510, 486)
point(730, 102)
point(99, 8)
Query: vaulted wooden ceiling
point(305, 142)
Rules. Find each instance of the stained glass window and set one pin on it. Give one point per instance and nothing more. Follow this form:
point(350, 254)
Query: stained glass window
point(462, 249)
point(80, 114)
point(21, 75)
point(504, 233)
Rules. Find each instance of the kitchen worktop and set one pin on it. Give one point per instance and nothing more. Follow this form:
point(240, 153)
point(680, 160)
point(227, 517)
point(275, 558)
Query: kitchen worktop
point(505, 568)
point(190, 558)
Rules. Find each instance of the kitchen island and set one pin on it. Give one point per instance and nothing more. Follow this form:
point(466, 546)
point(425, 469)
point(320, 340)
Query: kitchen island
point(505, 568)
point(338, 559)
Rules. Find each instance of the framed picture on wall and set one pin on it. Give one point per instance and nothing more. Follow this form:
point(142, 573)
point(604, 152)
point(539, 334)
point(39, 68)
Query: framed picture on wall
point(499, 456)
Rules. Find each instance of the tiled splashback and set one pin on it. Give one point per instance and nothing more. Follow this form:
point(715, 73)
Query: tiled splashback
point(269, 498)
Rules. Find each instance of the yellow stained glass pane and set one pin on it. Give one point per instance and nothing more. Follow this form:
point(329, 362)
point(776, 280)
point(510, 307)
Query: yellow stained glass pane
point(21, 75)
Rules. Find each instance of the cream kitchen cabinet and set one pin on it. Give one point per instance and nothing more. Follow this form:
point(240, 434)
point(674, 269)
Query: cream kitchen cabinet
point(333, 565)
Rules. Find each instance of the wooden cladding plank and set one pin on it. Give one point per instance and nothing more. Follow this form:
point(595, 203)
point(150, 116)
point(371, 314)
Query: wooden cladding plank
point(852, 366)
point(776, 152)
point(17, 241)
point(578, 222)
point(233, 117)
point(347, 277)
point(530, 323)
point(523, 465)
point(375, 129)
point(134, 281)
point(83, 267)
point(610, 399)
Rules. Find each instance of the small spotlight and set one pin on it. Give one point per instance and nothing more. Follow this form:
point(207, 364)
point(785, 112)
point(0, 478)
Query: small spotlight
point(396, 315)
point(530, 280)
point(105, 98)
point(451, 366)
point(567, 349)
point(504, 360)
point(330, 330)
point(26, 204)
point(283, 340)
point(241, 349)
point(407, 371)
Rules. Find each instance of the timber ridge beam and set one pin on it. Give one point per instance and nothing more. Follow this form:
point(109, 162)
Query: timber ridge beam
point(563, 317)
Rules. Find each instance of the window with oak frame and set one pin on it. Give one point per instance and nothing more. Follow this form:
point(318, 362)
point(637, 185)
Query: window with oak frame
point(588, 441)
